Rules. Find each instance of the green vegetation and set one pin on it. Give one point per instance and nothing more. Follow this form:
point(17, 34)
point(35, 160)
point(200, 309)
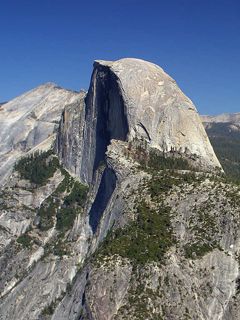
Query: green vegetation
point(77, 196)
point(47, 212)
point(62, 207)
point(73, 203)
point(155, 160)
point(144, 240)
point(159, 161)
point(168, 179)
point(197, 250)
point(25, 240)
point(59, 247)
point(203, 226)
point(37, 167)
point(226, 144)
point(142, 299)
point(150, 236)
point(74, 196)
point(65, 218)
point(49, 310)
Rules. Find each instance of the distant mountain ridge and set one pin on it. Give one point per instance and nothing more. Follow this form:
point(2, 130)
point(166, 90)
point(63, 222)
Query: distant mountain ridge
point(223, 117)
point(224, 133)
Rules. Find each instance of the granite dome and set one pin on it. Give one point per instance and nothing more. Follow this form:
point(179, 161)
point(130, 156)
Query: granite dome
point(153, 106)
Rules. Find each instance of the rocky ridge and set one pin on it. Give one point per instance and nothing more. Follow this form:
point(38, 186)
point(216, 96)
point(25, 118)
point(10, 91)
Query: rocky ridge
point(125, 221)
point(29, 122)
point(223, 118)
point(224, 134)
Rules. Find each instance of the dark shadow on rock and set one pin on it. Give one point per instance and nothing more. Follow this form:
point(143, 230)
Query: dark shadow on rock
point(105, 191)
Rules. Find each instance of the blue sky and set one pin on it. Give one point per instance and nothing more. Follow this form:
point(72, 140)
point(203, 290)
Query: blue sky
point(196, 41)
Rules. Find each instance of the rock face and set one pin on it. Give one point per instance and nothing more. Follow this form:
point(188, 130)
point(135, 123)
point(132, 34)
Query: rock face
point(70, 137)
point(137, 99)
point(29, 122)
point(111, 233)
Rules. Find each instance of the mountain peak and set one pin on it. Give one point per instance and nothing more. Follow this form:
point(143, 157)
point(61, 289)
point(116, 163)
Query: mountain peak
point(151, 105)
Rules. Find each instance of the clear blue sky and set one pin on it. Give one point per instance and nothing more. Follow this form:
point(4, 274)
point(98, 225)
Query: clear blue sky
point(196, 41)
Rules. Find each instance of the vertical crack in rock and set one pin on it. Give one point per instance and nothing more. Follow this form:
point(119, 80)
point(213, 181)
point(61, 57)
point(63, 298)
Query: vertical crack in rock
point(105, 191)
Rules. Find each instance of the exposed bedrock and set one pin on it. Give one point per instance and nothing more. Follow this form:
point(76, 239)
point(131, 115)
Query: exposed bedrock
point(29, 122)
point(69, 142)
point(128, 99)
point(105, 119)
point(105, 191)
point(132, 98)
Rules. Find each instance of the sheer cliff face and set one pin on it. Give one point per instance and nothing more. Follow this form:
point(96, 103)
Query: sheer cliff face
point(105, 119)
point(132, 98)
point(141, 242)
point(30, 121)
point(70, 137)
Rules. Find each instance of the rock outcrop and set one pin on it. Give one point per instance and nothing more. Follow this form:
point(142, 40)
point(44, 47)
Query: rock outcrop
point(134, 99)
point(30, 122)
point(70, 137)
point(111, 233)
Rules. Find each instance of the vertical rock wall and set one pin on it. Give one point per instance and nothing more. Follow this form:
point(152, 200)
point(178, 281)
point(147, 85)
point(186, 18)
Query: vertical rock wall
point(105, 119)
point(69, 142)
